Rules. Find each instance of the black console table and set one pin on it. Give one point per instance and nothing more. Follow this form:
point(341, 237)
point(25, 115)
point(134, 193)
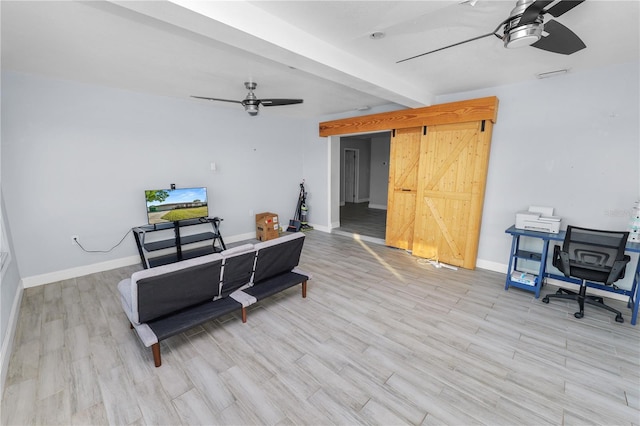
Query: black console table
point(164, 243)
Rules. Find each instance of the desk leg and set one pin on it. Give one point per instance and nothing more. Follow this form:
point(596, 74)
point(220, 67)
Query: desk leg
point(514, 241)
point(634, 294)
point(543, 266)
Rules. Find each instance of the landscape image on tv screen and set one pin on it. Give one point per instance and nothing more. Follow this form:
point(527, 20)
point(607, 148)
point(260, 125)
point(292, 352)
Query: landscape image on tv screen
point(173, 205)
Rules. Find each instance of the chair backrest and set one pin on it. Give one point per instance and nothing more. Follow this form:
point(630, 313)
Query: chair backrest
point(165, 289)
point(277, 256)
point(237, 269)
point(593, 253)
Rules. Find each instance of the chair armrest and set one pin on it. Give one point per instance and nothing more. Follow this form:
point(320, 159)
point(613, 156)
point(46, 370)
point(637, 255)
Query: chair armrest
point(561, 261)
point(618, 269)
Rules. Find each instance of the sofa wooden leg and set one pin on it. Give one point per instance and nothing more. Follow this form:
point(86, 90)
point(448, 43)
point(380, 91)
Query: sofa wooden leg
point(304, 288)
point(130, 326)
point(155, 348)
point(244, 314)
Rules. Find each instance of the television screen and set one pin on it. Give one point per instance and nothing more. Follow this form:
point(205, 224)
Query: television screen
point(173, 205)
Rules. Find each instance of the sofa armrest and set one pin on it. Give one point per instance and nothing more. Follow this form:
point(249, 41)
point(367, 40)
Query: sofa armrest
point(124, 288)
point(243, 298)
point(147, 336)
point(301, 272)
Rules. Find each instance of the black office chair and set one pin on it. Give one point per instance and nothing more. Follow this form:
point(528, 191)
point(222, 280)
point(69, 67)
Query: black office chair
point(590, 255)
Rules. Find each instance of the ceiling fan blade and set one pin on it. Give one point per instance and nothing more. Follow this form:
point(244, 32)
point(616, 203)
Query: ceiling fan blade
point(532, 12)
point(216, 99)
point(278, 102)
point(560, 39)
point(451, 45)
point(563, 7)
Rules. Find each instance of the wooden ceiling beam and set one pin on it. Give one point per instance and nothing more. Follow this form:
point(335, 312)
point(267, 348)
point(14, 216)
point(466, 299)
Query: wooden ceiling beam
point(453, 112)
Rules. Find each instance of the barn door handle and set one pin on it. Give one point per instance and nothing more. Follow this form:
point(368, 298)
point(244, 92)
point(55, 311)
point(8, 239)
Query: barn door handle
point(406, 190)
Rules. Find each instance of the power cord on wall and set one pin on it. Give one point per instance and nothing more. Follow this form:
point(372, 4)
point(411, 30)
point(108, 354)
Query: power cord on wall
point(75, 239)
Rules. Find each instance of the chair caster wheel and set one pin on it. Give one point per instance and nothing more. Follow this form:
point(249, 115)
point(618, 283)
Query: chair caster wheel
point(578, 315)
point(619, 319)
point(545, 299)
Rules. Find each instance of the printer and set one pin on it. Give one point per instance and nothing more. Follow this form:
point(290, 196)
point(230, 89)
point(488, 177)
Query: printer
point(540, 219)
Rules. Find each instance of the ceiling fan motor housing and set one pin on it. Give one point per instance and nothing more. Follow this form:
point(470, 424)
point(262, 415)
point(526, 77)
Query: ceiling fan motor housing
point(251, 102)
point(251, 106)
point(517, 35)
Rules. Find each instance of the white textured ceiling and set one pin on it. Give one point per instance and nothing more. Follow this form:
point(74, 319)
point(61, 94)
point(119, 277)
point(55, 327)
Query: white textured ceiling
point(316, 50)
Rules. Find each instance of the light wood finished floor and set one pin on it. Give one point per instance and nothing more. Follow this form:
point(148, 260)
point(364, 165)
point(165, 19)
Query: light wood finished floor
point(380, 339)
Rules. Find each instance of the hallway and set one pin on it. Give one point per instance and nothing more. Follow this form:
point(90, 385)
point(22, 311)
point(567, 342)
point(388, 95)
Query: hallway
point(358, 218)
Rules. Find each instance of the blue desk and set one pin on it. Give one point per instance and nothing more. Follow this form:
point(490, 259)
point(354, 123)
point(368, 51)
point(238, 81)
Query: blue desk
point(519, 255)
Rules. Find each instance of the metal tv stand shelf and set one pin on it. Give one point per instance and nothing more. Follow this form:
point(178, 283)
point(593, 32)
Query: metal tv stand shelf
point(163, 243)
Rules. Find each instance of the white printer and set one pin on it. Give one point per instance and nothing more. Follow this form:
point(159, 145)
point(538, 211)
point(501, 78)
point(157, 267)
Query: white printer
point(539, 219)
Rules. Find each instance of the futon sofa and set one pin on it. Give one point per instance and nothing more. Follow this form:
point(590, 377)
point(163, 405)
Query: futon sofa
point(166, 300)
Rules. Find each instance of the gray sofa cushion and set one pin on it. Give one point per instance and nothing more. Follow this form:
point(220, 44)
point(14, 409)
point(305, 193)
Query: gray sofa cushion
point(277, 256)
point(160, 270)
point(186, 319)
point(167, 290)
point(237, 273)
point(237, 268)
point(275, 284)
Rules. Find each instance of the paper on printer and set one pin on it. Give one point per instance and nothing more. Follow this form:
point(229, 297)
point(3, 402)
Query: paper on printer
point(539, 219)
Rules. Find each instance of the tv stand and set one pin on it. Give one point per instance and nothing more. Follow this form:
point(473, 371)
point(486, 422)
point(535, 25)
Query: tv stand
point(164, 243)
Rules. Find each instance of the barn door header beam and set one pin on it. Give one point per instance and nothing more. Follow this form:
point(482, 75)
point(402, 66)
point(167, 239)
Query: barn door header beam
point(449, 113)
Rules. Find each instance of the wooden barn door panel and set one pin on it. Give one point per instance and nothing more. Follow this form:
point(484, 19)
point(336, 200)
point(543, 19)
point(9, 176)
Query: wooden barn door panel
point(403, 186)
point(452, 175)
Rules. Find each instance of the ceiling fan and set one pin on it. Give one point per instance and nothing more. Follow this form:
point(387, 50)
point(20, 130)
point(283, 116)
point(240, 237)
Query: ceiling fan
point(251, 103)
point(525, 26)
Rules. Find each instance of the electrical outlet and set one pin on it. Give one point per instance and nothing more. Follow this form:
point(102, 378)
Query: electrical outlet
point(75, 240)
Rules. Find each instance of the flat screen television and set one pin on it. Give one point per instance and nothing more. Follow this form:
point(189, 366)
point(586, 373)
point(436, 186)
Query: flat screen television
point(174, 205)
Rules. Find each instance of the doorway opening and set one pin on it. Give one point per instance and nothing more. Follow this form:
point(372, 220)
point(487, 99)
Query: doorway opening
point(363, 185)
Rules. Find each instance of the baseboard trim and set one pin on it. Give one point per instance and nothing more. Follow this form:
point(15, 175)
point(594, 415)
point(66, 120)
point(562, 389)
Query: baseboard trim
point(240, 237)
point(10, 334)
point(321, 228)
point(492, 266)
point(65, 274)
point(378, 206)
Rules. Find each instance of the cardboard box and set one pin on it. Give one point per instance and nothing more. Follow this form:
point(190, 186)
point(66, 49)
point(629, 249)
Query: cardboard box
point(267, 226)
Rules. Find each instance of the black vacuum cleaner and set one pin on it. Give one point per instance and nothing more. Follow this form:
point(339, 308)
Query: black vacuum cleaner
point(299, 221)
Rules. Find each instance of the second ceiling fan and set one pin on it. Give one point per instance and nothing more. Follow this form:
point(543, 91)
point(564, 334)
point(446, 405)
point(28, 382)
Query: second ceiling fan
point(251, 103)
point(525, 26)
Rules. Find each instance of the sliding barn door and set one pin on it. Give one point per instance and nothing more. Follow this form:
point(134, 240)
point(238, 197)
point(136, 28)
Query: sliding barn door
point(403, 186)
point(452, 174)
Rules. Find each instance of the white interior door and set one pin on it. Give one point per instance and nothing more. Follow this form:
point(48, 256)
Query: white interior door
point(350, 175)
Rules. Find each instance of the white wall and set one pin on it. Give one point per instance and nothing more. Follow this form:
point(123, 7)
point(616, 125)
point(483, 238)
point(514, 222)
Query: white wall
point(569, 142)
point(77, 158)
